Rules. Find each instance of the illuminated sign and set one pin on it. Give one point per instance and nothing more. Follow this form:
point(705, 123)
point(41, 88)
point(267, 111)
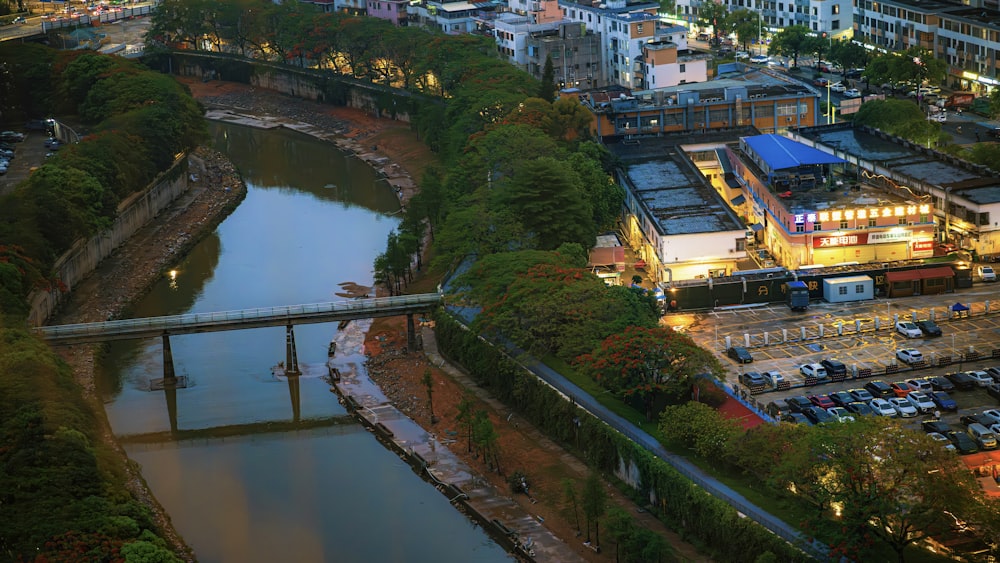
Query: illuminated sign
point(889, 236)
point(841, 240)
point(923, 245)
point(864, 213)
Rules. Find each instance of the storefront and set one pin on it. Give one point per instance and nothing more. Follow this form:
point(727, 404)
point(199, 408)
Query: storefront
point(986, 467)
point(876, 246)
point(926, 281)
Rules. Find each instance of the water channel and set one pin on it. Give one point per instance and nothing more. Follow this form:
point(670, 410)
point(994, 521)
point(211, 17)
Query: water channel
point(312, 219)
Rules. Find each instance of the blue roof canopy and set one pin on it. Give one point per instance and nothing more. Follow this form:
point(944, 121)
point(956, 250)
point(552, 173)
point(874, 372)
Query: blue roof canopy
point(781, 152)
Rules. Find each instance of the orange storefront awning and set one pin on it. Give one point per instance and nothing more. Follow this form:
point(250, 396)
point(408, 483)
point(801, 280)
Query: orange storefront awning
point(926, 273)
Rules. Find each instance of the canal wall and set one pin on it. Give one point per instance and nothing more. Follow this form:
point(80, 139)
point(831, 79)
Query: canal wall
point(85, 255)
point(306, 83)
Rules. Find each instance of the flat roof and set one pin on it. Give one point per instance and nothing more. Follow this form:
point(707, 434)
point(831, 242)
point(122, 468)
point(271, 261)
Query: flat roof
point(969, 181)
point(848, 279)
point(782, 153)
point(677, 197)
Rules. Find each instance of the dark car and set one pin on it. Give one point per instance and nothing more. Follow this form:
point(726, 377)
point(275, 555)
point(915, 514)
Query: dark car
point(994, 372)
point(834, 368)
point(795, 418)
point(752, 379)
point(841, 398)
point(879, 388)
point(939, 383)
point(993, 391)
point(963, 442)
point(977, 418)
point(822, 401)
point(859, 408)
point(943, 400)
point(961, 381)
point(854, 73)
point(798, 404)
point(740, 354)
point(817, 415)
point(929, 328)
point(775, 410)
point(936, 425)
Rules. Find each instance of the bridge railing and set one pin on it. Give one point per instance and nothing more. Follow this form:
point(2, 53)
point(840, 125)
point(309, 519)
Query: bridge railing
point(290, 312)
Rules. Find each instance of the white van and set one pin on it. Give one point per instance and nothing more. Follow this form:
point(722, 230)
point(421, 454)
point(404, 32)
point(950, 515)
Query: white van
point(987, 273)
point(983, 436)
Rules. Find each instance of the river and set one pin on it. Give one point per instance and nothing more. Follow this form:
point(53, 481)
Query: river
point(312, 219)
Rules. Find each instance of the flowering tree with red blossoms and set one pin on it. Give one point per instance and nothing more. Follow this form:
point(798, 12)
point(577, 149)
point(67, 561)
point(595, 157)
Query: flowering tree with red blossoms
point(648, 362)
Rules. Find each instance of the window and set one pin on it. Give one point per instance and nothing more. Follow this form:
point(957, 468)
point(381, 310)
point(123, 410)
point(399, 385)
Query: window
point(817, 226)
point(683, 68)
point(638, 28)
point(842, 290)
point(924, 218)
point(835, 9)
point(860, 288)
point(741, 244)
point(902, 220)
point(800, 228)
point(835, 24)
point(871, 222)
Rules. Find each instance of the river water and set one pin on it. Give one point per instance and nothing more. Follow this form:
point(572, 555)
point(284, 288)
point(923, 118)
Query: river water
point(312, 219)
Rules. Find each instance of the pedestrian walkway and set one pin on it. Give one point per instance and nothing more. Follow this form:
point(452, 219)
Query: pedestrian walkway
point(499, 515)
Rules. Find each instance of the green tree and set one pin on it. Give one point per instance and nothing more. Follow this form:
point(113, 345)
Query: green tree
point(699, 427)
point(792, 41)
point(620, 528)
point(548, 90)
point(987, 154)
point(595, 504)
point(466, 416)
point(428, 382)
point(746, 25)
point(713, 14)
point(570, 496)
point(647, 363)
point(487, 440)
point(548, 195)
point(848, 54)
point(899, 117)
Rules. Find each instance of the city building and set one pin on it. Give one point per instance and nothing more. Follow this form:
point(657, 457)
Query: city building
point(390, 10)
point(769, 102)
point(664, 65)
point(831, 17)
point(575, 52)
point(453, 18)
point(678, 225)
point(964, 197)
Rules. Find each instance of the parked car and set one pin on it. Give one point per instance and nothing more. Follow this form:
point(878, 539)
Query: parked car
point(962, 381)
point(813, 370)
point(740, 354)
point(19, 19)
point(841, 398)
point(942, 439)
point(822, 82)
point(994, 372)
point(975, 418)
point(882, 407)
point(909, 356)
point(904, 409)
point(742, 55)
point(838, 87)
point(840, 414)
point(759, 59)
point(936, 425)
point(981, 378)
point(878, 388)
point(752, 379)
point(859, 408)
point(821, 401)
point(921, 401)
point(900, 388)
point(795, 418)
point(943, 400)
point(774, 378)
point(993, 391)
point(993, 414)
point(834, 367)
point(797, 404)
point(987, 273)
point(984, 437)
point(929, 328)
point(908, 329)
point(963, 443)
point(852, 93)
point(939, 117)
point(862, 395)
point(941, 383)
point(854, 73)
point(919, 385)
point(817, 415)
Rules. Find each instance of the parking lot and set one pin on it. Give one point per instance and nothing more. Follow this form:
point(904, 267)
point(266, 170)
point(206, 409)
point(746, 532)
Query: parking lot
point(782, 340)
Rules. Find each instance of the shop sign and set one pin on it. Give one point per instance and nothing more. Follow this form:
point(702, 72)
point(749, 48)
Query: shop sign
point(923, 245)
point(840, 240)
point(889, 236)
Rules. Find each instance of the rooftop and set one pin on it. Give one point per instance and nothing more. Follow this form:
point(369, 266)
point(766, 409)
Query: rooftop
point(672, 189)
point(969, 181)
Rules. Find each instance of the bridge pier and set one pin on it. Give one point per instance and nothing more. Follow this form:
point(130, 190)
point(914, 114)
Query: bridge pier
point(291, 356)
point(411, 335)
point(169, 376)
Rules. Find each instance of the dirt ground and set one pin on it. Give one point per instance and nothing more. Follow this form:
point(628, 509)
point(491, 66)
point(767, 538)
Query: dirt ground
point(522, 447)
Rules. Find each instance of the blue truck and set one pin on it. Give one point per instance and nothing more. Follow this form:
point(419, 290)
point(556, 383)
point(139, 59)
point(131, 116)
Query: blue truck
point(797, 295)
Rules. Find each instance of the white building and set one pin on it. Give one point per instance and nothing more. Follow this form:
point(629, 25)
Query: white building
point(664, 66)
point(833, 17)
point(624, 28)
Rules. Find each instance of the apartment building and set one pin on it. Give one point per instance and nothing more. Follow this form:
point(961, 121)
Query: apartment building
point(833, 17)
point(390, 10)
point(575, 52)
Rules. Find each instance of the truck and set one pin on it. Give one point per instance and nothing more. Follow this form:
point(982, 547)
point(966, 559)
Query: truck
point(960, 100)
point(797, 295)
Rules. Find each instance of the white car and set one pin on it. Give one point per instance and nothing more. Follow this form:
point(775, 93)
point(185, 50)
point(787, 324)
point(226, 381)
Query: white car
point(909, 356)
point(908, 329)
point(987, 274)
point(813, 370)
point(940, 117)
point(882, 407)
point(903, 407)
point(921, 385)
point(841, 414)
point(939, 437)
point(759, 59)
point(742, 55)
point(838, 87)
point(852, 93)
point(981, 378)
point(921, 401)
point(993, 414)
